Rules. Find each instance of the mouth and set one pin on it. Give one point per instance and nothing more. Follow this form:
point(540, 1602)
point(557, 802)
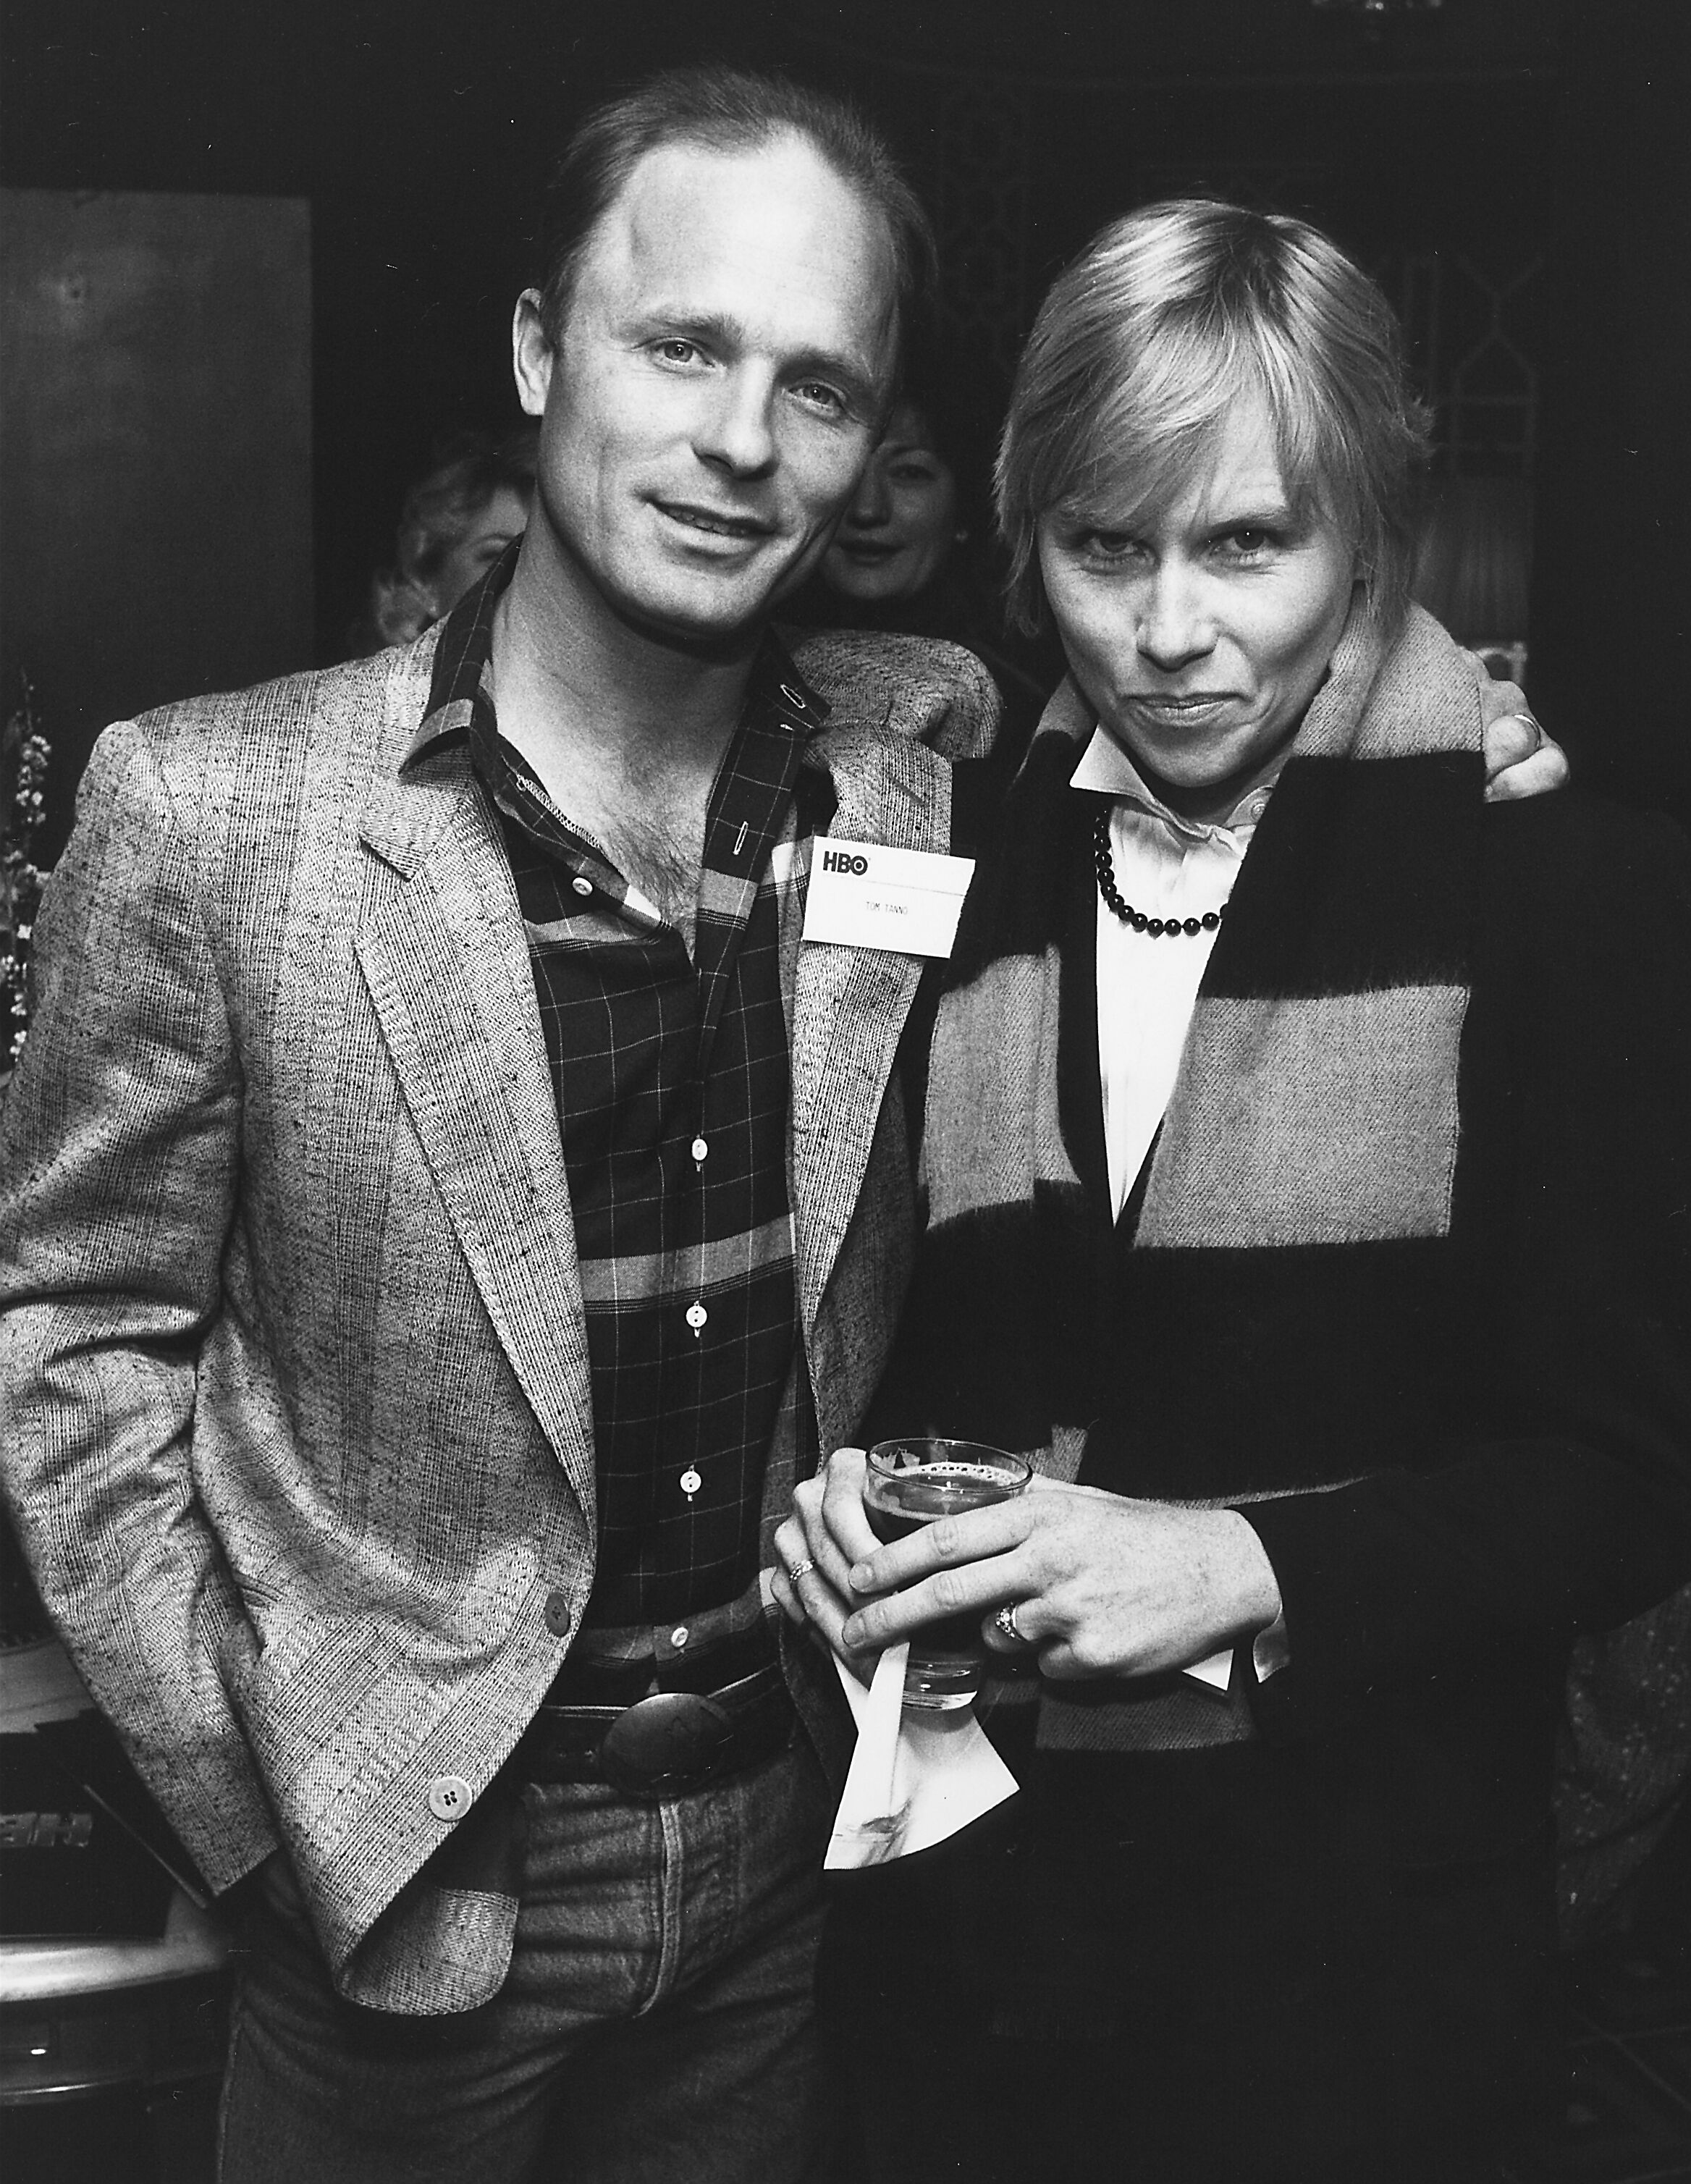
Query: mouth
point(1197, 710)
point(714, 522)
point(868, 551)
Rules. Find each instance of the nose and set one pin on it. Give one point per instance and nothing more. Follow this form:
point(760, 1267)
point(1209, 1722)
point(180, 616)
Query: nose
point(1175, 626)
point(737, 433)
point(872, 504)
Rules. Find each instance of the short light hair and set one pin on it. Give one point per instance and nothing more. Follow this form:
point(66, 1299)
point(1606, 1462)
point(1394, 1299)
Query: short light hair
point(469, 468)
point(728, 110)
point(1147, 341)
point(441, 510)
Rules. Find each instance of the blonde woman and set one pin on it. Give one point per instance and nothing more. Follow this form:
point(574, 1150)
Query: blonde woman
point(1306, 1171)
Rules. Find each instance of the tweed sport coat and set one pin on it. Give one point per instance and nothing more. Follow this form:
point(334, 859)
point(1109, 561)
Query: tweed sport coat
point(297, 1426)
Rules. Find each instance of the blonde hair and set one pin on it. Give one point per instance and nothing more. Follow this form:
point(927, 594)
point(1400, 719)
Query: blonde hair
point(1144, 345)
point(441, 509)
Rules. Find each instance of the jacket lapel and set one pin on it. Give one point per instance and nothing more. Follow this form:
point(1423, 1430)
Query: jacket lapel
point(849, 1006)
point(444, 957)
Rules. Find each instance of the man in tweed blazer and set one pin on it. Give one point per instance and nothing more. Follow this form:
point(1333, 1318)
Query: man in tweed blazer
point(306, 1409)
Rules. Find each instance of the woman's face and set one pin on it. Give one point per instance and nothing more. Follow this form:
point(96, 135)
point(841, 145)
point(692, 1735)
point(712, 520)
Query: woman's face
point(501, 518)
point(1200, 632)
point(902, 521)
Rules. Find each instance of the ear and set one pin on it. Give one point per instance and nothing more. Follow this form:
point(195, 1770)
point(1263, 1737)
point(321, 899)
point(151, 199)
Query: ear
point(532, 356)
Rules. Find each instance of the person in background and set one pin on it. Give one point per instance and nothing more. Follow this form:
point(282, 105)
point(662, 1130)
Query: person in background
point(912, 552)
point(903, 525)
point(1305, 1170)
point(456, 521)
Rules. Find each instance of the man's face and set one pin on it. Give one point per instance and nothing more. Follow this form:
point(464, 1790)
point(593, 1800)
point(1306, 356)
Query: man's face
point(718, 387)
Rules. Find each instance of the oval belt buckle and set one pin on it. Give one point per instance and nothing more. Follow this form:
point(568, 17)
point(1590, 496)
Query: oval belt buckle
point(665, 1744)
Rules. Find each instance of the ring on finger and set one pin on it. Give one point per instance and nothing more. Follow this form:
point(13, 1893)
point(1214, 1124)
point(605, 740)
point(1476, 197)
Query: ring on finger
point(1007, 1626)
point(795, 1570)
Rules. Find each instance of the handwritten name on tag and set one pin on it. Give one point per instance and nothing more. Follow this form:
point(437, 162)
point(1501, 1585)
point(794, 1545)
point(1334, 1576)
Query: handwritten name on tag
point(863, 895)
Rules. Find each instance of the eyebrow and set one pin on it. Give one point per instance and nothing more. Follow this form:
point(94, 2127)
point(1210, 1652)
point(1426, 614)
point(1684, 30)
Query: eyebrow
point(1258, 514)
point(1243, 515)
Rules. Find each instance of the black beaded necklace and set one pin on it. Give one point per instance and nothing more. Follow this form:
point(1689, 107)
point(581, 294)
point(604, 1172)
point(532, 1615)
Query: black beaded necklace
point(1104, 865)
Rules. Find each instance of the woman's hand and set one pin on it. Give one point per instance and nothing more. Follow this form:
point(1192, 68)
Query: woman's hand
point(1102, 1585)
point(827, 1533)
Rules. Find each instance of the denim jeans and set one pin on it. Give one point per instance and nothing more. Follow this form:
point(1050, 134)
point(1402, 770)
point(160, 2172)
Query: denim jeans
point(657, 2026)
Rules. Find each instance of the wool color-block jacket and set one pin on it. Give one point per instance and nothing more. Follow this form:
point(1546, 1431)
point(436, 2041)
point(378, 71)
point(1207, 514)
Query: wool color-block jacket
point(1406, 1279)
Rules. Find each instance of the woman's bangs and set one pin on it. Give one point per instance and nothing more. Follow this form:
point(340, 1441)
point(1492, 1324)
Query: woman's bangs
point(1154, 430)
point(1320, 469)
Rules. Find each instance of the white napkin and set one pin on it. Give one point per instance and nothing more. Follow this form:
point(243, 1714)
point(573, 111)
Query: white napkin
point(1216, 1671)
point(916, 1777)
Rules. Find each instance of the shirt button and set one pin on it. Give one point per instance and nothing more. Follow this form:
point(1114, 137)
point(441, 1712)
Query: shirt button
point(691, 1481)
point(792, 697)
point(700, 1149)
point(581, 886)
point(679, 1635)
point(450, 1796)
point(558, 1616)
point(696, 1316)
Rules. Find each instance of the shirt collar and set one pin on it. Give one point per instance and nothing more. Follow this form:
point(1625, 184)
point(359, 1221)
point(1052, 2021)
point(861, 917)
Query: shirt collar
point(1104, 768)
point(461, 684)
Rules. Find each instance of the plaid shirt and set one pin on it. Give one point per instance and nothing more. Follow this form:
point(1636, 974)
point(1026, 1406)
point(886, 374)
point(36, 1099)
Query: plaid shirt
point(671, 1074)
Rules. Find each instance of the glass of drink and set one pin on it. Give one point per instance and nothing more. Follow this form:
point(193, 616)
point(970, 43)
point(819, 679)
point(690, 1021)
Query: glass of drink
point(909, 1483)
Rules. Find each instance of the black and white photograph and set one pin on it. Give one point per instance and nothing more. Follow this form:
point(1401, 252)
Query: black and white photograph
point(845, 1092)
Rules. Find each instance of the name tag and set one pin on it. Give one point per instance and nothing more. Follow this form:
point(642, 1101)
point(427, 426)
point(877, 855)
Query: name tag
point(863, 895)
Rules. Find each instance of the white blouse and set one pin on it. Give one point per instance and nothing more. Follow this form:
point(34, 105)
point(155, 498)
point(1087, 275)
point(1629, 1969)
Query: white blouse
point(1166, 866)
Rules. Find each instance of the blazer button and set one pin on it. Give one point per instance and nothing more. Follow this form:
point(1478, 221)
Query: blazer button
point(450, 1796)
point(558, 1616)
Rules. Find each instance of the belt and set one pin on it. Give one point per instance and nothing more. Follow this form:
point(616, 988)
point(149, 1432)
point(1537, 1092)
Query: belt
point(662, 1745)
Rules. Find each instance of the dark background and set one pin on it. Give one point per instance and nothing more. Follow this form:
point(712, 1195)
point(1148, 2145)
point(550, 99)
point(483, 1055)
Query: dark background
point(1541, 144)
point(1518, 171)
